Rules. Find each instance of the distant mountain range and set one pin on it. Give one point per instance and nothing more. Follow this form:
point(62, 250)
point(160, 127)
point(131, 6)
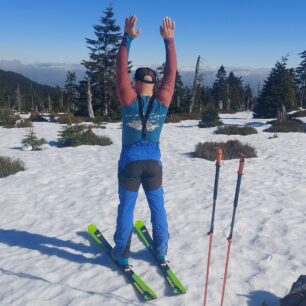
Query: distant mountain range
point(55, 73)
point(9, 81)
point(52, 74)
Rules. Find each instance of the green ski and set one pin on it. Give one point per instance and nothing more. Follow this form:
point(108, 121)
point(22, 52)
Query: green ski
point(141, 287)
point(172, 280)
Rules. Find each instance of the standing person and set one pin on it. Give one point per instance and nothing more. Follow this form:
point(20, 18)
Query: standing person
point(143, 115)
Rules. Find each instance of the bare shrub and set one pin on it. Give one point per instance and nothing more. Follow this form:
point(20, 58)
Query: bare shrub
point(69, 118)
point(177, 117)
point(9, 166)
point(8, 118)
point(231, 150)
point(37, 117)
point(236, 130)
point(300, 113)
point(24, 123)
point(287, 126)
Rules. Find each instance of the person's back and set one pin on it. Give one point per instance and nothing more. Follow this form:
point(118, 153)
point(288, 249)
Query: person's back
point(143, 115)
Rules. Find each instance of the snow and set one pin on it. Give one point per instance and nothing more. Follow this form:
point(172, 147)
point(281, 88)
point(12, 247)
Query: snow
point(47, 258)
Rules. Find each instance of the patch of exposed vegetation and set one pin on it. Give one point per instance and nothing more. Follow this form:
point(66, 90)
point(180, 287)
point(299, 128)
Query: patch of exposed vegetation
point(76, 135)
point(8, 118)
point(9, 166)
point(231, 150)
point(236, 130)
point(286, 126)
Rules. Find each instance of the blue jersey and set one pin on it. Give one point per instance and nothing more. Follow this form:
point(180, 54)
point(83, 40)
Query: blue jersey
point(132, 124)
point(133, 146)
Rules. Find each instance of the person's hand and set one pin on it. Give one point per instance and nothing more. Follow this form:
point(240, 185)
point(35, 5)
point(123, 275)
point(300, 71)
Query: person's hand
point(129, 26)
point(167, 29)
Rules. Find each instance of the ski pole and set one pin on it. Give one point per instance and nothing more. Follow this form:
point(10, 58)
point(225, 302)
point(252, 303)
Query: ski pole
point(229, 239)
point(211, 231)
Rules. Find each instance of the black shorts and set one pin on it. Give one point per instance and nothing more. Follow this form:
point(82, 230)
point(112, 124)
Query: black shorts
point(146, 172)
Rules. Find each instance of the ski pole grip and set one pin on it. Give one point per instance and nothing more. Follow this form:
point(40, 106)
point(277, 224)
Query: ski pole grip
point(219, 156)
point(241, 164)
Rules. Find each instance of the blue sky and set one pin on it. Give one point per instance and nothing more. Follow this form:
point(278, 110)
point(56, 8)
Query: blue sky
point(235, 33)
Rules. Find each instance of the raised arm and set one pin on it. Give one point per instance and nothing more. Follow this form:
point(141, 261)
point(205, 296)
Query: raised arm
point(166, 90)
point(125, 91)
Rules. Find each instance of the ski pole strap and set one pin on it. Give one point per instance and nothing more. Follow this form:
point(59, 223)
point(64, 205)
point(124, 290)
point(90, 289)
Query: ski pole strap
point(144, 118)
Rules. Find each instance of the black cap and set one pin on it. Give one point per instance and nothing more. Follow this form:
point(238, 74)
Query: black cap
point(145, 75)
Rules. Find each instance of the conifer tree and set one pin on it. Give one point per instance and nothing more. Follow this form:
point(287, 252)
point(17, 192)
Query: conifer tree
point(71, 91)
point(160, 71)
point(176, 104)
point(56, 97)
point(185, 103)
point(101, 64)
point(32, 142)
point(210, 117)
point(178, 92)
point(235, 92)
point(248, 97)
point(206, 96)
point(277, 93)
point(220, 88)
point(18, 98)
point(82, 98)
point(300, 74)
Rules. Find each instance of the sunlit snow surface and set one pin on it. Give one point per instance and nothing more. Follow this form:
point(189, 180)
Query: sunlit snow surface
point(47, 258)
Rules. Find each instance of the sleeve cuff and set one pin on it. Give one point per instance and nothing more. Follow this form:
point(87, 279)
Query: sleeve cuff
point(169, 41)
point(127, 39)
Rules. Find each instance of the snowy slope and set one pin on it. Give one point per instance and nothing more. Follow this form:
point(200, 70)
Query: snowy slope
point(46, 257)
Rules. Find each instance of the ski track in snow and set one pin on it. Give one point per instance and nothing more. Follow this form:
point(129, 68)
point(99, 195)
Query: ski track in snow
point(47, 258)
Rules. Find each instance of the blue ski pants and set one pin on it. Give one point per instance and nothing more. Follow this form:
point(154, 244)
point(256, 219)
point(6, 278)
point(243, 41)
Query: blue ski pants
point(147, 173)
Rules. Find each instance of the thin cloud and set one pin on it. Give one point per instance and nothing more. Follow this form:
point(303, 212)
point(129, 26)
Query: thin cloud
point(55, 73)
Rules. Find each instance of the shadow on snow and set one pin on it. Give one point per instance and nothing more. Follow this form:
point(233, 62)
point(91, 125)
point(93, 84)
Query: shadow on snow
point(261, 297)
point(52, 246)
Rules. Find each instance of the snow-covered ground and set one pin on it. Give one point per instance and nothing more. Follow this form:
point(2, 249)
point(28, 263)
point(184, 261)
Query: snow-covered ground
point(46, 257)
